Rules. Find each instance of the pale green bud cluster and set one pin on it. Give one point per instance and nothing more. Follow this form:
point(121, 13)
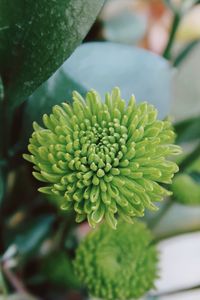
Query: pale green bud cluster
point(105, 159)
point(117, 264)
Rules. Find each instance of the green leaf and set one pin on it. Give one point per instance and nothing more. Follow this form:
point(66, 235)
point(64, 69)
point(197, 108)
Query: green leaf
point(58, 269)
point(190, 159)
point(195, 176)
point(188, 130)
point(2, 284)
point(1, 90)
point(1, 115)
point(36, 37)
point(34, 233)
point(181, 7)
point(1, 185)
point(2, 179)
point(186, 188)
point(102, 66)
point(186, 185)
point(19, 296)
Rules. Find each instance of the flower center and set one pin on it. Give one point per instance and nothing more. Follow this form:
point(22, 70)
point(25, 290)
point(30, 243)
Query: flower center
point(102, 145)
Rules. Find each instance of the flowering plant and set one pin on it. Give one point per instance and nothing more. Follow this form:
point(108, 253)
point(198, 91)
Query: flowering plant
point(87, 169)
point(104, 159)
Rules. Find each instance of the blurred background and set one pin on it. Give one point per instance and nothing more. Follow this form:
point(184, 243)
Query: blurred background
point(148, 24)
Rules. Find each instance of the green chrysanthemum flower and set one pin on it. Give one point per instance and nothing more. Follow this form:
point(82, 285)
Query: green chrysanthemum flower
point(117, 264)
point(104, 159)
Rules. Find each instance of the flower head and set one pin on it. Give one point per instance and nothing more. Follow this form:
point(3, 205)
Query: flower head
point(104, 159)
point(117, 264)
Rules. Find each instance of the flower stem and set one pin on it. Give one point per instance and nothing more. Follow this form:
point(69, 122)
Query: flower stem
point(184, 53)
point(173, 292)
point(176, 233)
point(175, 24)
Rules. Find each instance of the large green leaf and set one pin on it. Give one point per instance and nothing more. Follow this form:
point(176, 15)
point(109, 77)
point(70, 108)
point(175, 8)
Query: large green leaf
point(36, 37)
point(103, 66)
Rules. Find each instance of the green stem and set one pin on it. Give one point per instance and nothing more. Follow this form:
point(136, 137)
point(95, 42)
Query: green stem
point(169, 235)
point(175, 24)
point(184, 53)
point(173, 292)
point(164, 209)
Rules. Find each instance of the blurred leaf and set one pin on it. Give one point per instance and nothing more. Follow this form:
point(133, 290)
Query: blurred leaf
point(1, 90)
point(34, 233)
point(182, 6)
point(187, 5)
point(2, 285)
point(1, 185)
point(170, 5)
point(18, 297)
point(58, 270)
point(125, 28)
point(103, 66)
point(188, 130)
point(36, 37)
point(178, 220)
point(186, 87)
point(186, 188)
point(195, 166)
point(190, 159)
point(1, 115)
point(196, 177)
